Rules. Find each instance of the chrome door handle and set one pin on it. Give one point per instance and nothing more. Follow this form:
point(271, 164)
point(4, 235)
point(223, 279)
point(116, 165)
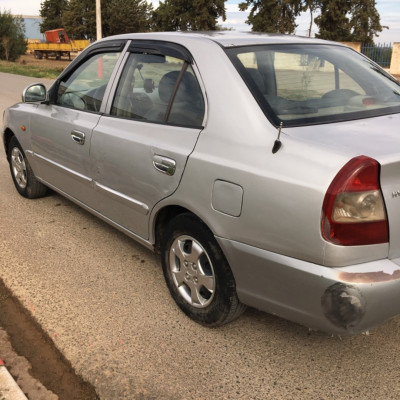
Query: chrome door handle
point(164, 164)
point(78, 137)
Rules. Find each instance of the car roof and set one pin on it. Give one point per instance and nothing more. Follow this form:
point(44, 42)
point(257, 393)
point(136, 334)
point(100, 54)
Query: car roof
point(224, 38)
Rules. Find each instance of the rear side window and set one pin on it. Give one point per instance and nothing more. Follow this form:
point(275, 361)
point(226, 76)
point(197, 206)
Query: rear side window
point(308, 84)
point(159, 89)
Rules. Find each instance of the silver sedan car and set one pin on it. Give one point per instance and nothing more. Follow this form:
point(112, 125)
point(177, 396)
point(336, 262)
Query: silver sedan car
point(265, 169)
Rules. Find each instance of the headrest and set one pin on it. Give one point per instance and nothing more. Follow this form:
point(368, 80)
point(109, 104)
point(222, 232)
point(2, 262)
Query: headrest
point(187, 88)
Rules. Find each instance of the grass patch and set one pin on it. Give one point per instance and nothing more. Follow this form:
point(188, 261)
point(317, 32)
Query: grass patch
point(28, 70)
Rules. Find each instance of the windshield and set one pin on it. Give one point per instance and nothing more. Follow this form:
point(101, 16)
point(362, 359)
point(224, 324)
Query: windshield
point(310, 84)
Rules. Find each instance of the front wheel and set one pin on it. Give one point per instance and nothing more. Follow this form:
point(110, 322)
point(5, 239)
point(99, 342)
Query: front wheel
point(24, 178)
point(197, 273)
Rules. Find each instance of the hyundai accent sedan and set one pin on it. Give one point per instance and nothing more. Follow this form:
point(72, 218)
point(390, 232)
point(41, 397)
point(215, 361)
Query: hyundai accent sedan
point(264, 169)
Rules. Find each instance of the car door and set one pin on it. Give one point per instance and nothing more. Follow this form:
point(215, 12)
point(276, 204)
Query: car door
point(139, 150)
point(61, 130)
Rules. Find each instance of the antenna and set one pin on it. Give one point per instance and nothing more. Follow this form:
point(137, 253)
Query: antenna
point(278, 143)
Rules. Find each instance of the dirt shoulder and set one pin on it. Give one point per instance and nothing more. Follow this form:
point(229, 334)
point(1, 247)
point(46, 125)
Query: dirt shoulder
point(30, 60)
point(38, 367)
point(19, 367)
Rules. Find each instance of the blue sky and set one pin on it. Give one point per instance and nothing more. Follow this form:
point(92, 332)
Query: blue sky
point(389, 11)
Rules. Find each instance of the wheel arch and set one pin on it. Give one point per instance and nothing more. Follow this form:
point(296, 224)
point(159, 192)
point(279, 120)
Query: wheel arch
point(224, 305)
point(8, 134)
point(164, 216)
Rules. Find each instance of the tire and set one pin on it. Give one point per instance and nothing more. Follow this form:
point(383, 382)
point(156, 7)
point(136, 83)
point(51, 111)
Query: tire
point(21, 172)
point(197, 274)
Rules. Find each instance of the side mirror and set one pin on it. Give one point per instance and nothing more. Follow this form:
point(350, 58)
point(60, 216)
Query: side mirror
point(34, 93)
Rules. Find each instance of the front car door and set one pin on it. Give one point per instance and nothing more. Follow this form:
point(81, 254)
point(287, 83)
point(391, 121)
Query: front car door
point(140, 146)
point(62, 129)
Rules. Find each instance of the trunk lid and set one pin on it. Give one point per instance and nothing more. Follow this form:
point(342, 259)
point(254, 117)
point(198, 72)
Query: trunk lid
point(378, 138)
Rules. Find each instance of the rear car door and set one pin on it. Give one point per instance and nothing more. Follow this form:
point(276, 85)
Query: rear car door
point(140, 146)
point(62, 129)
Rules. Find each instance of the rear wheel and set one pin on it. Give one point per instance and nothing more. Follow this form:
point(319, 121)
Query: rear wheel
point(21, 172)
point(38, 54)
point(197, 273)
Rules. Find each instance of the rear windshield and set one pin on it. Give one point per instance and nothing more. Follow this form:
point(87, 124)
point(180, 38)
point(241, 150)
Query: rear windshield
point(311, 84)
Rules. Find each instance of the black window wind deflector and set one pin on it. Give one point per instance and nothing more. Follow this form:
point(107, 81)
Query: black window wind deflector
point(111, 45)
point(107, 46)
point(161, 48)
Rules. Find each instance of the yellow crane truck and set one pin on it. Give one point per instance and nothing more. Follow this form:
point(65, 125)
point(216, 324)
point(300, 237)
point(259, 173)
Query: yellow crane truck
point(57, 45)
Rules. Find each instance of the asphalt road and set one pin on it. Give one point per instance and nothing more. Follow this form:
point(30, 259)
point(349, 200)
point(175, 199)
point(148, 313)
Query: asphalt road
point(102, 299)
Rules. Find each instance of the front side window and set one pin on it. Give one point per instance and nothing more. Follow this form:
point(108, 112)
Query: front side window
point(160, 89)
point(308, 84)
point(84, 88)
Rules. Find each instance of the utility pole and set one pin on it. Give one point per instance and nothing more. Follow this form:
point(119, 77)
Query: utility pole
point(98, 19)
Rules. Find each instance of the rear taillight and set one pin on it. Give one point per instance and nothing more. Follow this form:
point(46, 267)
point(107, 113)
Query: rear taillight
point(353, 213)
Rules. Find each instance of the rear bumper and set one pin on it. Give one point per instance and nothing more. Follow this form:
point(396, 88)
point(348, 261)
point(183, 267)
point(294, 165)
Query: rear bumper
point(345, 300)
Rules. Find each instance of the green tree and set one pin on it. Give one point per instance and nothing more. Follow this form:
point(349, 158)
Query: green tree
point(334, 22)
point(79, 19)
point(272, 15)
point(118, 16)
point(365, 21)
point(183, 15)
point(348, 20)
point(12, 36)
point(51, 12)
point(125, 16)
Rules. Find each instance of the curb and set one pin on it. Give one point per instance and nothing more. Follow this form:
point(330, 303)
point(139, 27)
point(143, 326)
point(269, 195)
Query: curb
point(9, 390)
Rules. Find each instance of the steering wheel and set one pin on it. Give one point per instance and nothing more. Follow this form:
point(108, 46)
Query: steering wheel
point(74, 100)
